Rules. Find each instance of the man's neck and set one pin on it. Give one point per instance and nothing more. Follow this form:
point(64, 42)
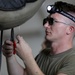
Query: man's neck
point(59, 47)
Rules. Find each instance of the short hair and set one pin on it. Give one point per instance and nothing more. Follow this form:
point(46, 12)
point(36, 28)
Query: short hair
point(65, 6)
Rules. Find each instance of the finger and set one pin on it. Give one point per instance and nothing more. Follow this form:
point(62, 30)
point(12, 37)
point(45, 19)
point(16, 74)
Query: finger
point(8, 42)
point(7, 53)
point(8, 47)
point(18, 38)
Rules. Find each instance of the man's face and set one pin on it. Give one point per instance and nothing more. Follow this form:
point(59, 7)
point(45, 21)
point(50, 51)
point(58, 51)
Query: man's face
point(57, 30)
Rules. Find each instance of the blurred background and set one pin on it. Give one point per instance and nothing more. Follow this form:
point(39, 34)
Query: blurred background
point(32, 31)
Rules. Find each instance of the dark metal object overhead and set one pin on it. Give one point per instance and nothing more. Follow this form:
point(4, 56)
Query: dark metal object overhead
point(10, 19)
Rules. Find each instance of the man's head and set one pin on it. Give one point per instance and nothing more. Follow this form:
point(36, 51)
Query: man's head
point(62, 8)
point(60, 24)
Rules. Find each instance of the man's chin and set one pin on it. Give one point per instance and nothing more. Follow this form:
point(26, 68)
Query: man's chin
point(46, 38)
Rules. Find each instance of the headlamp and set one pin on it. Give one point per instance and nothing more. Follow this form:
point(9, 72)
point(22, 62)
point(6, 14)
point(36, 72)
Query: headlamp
point(52, 9)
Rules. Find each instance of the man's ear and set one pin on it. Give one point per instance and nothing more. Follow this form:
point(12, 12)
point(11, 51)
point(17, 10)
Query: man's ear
point(70, 29)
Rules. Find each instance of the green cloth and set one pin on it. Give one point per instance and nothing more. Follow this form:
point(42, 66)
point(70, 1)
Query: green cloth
point(60, 63)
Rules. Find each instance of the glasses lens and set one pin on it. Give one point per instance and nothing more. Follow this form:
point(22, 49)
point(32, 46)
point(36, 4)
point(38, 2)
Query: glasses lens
point(45, 20)
point(49, 20)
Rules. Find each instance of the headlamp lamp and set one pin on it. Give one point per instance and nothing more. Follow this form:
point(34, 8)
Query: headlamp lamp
point(52, 9)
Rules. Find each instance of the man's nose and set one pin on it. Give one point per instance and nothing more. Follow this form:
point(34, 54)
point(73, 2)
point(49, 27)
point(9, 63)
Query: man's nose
point(46, 25)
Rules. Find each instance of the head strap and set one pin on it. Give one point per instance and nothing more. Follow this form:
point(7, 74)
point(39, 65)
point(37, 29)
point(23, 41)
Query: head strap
point(52, 9)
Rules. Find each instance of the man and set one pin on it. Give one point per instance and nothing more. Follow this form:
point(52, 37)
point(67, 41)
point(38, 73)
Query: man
point(59, 59)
